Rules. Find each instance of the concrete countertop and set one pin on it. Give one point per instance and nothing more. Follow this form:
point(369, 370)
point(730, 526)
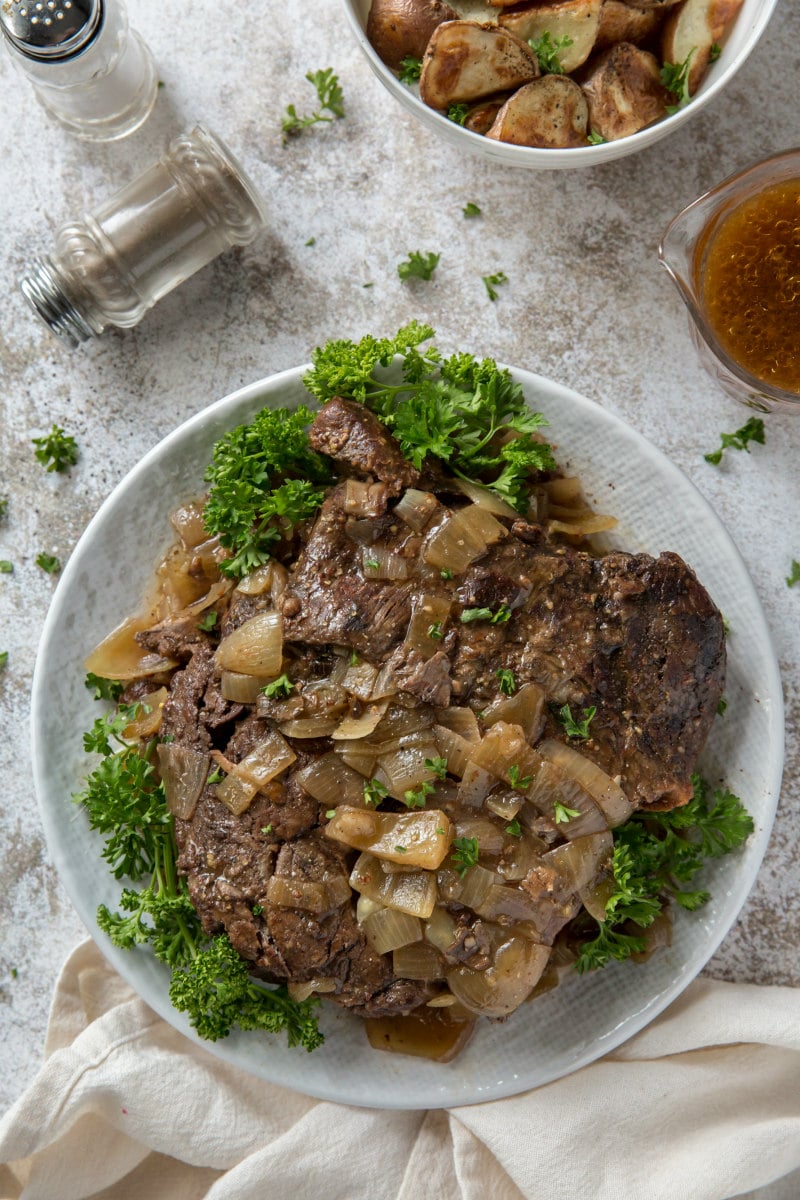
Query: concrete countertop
point(586, 304)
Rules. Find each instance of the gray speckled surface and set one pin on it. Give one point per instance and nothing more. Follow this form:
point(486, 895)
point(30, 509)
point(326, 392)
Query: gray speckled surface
point(586, 304)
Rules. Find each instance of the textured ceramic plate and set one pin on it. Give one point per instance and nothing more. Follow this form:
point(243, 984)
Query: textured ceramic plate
point(658, 509)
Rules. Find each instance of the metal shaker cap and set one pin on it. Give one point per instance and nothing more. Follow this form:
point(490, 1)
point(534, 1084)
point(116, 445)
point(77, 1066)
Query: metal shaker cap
point(48, 30)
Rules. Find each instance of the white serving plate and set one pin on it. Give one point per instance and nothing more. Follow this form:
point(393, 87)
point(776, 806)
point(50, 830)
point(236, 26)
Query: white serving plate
point(584, 1018)
point(737, 44)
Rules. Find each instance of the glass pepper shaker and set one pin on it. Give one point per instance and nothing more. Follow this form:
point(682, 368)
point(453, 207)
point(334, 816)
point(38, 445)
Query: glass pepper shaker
point(90, 72)
point(111, 267)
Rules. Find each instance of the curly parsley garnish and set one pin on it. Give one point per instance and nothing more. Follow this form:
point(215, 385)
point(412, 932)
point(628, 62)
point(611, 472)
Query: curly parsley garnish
point(410, 69)
point(418, 797)
point(262, 478)
point(562, 814)
point(500, 617)
point(466, 412)
point(125, 802)
point(103, 689)
point(418, 265)
point(508, 684)
point(675, 78)
point(279, 688)
point(331, 104)
point(547, 52)
point(57, 450)
point(655, 855)
point(374, 792)
point(574, 728)
point(751, 431)
point(48, 563)
point(491, 282)
point(458, 113)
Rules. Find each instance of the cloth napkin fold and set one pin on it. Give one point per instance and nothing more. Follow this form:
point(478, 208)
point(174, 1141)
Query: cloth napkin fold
point(704, 1104)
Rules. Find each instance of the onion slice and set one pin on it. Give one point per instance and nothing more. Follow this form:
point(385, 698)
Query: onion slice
point(255, 648)
point(184, 772)
point(604, 791)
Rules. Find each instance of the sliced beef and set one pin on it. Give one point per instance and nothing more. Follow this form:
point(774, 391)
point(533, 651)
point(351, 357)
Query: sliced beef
point(426, 679)
point(328, 600)
point(173, 638)
point(195, 707)
point(349, 433)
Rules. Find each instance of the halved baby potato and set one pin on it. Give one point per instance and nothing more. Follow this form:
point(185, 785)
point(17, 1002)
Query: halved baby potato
point(624, 90)
point(577, 20)
point(399, 29)
point(467, 60)
point(621, 22)
point(659, 4)
point(696, 26)
point(550, 112)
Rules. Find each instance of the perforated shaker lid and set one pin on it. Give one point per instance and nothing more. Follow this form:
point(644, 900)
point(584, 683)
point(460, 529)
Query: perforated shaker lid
point(47, 30)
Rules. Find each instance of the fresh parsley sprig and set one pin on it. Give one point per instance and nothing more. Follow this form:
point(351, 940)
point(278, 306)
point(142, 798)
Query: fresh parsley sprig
point(419, 265)
point(573, 727)
point(262, 478)
point(56, 450)
point(410, 69)
point(751, 431)
point(465, 854)
point(468, 413)
point(331, 104)
point(547, 52)
point(656, 854)
point(675, 78)
point(125, 802)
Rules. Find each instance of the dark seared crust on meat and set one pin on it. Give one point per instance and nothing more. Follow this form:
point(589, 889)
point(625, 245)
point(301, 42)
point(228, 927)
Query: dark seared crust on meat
point(349, 433)
point(195, 712)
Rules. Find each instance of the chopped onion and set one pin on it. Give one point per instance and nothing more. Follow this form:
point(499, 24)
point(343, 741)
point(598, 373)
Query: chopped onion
point(486, 499)
point(400, 721)
point(255, 648)
point(187, 521)
point(178, 583)
point(582, 860)
point(310, 987)
point(585, 523)
point(604, 791)
point(148, 716)
point(331, 781)
point(505, 804)
point(426, 628)
point(520, 856)
point(236, 794)
point(211, 597)
point(417, 961)
point(387, 929)
point(551, 786)
point(504, 747)
point(461, 720)
point(454, 748)
point(315, 896)
point(310, 727)
point(360, 726)
point(404, 769)
point(491, 838)
point(270, 757)
point(512, 904)
point(475, 886)
point(416, 508)
point(184, 772)
point(418, 839)
point(360, 758)
point(475, 786)
point(241, 689)
point(413, 892)
point(269, 577)
point(563, 490)
point(501, 988)
point(440, 929)
point(461, 538)
point(525, 708)
point(362, 499)
point(359, 680)
point(379, 562)
point(119, 656)
point(596, 896)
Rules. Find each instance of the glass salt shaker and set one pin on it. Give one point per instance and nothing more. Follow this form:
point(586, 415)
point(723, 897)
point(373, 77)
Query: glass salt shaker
point(89, 70)
point(111, 267)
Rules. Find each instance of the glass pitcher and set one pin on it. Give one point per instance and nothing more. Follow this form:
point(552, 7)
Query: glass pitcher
point(684, 251)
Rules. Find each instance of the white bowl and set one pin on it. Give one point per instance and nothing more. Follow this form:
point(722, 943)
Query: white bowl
point(584, 1017)
point(740, 40)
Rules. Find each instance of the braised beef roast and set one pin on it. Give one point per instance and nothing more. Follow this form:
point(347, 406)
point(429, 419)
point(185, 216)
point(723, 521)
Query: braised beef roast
point(635, 637)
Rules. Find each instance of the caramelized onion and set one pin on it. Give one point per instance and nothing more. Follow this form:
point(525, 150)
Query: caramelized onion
point(418, 839)
point(379, 562)
point(461, 538)
point(184, 772)
point(486, 499)
point(525, 708)
point(147, 720)
point(313, 895)
point(241, 689)
point(255, 648)
point(582, 860)
point(187, 521)
point(504, 748)
point(359, 680)
point(310, 727)
point(461, 720)
point(269, 577)
point(413, 892)
point(359, 726)
point(119, 656)
point(416, 508)
point(236, 794)
point(387, 929)
point(454, 748)
point(331, 781)
point(475, 786)
point(417, 961)
point(604, 791)
point(426, 628)
point(501, 988)
point(551, 786)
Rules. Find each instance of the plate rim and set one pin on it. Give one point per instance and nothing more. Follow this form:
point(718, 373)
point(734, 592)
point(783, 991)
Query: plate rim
point(439, 1096)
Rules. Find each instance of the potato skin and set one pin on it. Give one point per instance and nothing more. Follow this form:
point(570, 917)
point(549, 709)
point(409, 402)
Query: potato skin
point(621, 22)
point(551, 112)
point(696, 25)
point(624, 91)
point(466, 61)
point(577, 20)
point(399, 28)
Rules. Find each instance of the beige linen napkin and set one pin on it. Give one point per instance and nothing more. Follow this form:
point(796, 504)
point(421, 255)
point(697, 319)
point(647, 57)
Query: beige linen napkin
point(702, 1105)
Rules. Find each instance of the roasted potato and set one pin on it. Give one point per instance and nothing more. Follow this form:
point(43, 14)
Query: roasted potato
point(659, 4)
point(550, 112)
point(696, 26)
point(400, 28)
point(467, 61)
point(578, 20)
point(624, 90)
point(480, 117)
point(620, 22)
